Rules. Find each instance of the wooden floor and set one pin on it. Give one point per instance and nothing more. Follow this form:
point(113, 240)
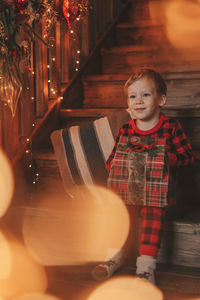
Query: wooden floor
point(75, 283)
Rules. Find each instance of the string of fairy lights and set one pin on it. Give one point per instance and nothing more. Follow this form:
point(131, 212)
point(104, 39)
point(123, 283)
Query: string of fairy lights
point(19, 54)
point(52, 90)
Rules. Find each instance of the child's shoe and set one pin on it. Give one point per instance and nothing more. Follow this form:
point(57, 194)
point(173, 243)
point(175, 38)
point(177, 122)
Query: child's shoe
point(146, 267)
point(107, 269)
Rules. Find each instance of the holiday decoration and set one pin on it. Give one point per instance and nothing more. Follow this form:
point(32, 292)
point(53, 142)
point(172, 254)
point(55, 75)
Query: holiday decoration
point(16, 35)
point(73, 9)
point(70, 11)
point(20, 5)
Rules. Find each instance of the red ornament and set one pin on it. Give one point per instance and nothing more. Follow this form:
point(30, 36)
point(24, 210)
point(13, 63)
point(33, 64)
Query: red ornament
point(70, 10)
point(20, 5)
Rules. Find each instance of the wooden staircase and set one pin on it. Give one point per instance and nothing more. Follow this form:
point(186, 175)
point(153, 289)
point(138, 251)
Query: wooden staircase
point(139, 43)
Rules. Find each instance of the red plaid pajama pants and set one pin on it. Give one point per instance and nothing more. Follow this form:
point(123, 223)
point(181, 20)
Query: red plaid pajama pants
point(152, 229)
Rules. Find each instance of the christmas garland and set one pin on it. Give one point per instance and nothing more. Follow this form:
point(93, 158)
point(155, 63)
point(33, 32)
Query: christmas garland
point(16, 34)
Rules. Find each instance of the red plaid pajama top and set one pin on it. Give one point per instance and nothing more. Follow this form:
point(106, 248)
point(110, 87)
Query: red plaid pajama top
point(178, 149)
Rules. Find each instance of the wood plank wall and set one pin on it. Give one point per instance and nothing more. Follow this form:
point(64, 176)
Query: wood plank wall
point(50, 71)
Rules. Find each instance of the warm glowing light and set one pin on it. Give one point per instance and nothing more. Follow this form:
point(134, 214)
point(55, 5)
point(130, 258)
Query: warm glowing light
point(183, 23)
point(22, 274)
point(5, 257)
point(6, 183)
point(126, 288)
point(85, 230)
point(36, 296)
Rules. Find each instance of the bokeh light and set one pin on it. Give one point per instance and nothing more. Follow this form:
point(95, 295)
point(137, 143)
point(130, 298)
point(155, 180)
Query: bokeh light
point(83, 229)
point(36, 296)
point(128, 288)
point(5, 257)
point(22, 273)
point(181, 21)
point(6, 183)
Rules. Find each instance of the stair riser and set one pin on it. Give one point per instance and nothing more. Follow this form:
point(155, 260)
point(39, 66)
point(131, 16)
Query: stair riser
point(180, 246)
point(113, 63)
point(181, 93)
point(140, 36)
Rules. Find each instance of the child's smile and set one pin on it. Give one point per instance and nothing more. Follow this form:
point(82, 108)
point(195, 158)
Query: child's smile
point(144, 103)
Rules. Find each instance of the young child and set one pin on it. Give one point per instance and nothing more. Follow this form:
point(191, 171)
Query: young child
point(145, 148)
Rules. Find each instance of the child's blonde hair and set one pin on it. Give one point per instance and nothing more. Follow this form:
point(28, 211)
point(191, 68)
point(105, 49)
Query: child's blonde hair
point(151, 74)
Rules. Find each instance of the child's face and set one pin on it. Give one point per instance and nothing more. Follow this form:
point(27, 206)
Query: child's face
point(144, 101)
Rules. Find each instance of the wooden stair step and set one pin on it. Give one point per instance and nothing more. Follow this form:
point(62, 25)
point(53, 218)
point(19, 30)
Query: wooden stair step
point(87, 112)
point(127, 66)
point(152, 56)
point(122, 77)
point(95, 113)
point(139, 11)
point(139, 24)
point(50, 181)
point(129, 33)
point(107, 91)
point(181, 243)
point(80, 116)
point(189, 117)
point(45, 158)
point(124, 49)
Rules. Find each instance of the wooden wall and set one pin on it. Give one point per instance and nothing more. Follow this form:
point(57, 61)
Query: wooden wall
point(51, 69)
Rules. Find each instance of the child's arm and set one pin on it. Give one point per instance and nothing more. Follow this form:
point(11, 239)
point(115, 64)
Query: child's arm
point(181, 154)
